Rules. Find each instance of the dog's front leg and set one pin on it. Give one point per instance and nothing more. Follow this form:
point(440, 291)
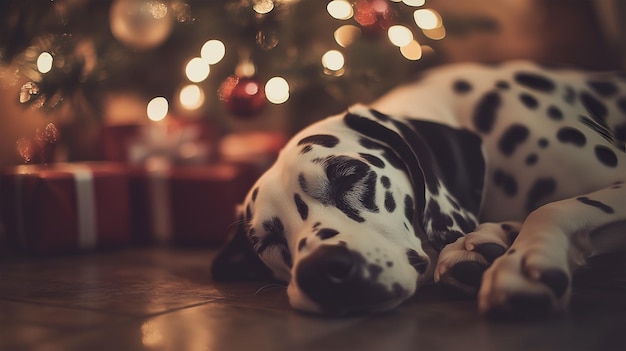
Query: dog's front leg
point(534, 276)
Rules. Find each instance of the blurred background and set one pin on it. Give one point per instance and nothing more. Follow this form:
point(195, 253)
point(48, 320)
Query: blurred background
point(79, 78)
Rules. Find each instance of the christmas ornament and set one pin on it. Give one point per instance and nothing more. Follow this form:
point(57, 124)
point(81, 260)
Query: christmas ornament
point(140, 24)
point(375, 16)
point(243, 96)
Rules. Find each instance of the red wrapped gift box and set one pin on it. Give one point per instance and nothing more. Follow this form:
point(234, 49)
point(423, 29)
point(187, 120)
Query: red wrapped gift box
point(188, 205)
point(65, 207)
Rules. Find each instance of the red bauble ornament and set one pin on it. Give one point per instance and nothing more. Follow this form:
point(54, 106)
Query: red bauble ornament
point(375, 16)
point(242, 96)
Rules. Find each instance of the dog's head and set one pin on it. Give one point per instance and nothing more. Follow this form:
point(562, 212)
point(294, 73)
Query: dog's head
point(344, 215)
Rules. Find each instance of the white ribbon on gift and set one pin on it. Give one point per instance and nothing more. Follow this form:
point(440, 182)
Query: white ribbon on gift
point(85, 201)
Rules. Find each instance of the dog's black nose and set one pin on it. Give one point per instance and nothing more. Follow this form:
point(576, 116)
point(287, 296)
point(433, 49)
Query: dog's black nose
point(340, 281)
point(327, 271)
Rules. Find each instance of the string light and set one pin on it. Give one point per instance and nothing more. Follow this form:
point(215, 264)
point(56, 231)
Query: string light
point(157, 108)
point(333, 60)
point(213, 51)
point(197, 70)
point(399, 35)
point(427, 19)
point(44, 62)
point(347, 34)
point(412, 51)
point(191, 97)
point(277, 90)
point(263, 6)
point(340, 9)
point(415, 3)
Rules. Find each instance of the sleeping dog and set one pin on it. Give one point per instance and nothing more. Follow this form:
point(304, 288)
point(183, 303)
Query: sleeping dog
point(497, 180)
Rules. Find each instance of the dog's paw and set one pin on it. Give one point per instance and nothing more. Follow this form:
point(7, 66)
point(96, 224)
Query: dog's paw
point(528, 281)
point(462, 263)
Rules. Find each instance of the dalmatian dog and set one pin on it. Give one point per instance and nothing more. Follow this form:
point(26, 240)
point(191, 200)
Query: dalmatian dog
point(498, 180)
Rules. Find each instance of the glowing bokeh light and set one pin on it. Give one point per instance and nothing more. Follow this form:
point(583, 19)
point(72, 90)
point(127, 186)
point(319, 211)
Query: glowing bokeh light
point(340, 9)
point(263, 6)
point(412, 51)
point(346, 35)
point(191, 97)
point(436, 33)
point(427, 19)
point(197, 70)
point(333, 60)
point(277, 90)
point(414, 3)
point(157, 108)
point(399, 35)
point(44, 62)
point(213, 51)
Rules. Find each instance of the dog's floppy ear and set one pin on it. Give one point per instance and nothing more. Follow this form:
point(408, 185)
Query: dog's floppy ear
point(457, 159)
point(237, 260)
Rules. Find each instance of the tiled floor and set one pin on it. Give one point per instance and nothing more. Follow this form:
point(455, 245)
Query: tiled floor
point(163, 299)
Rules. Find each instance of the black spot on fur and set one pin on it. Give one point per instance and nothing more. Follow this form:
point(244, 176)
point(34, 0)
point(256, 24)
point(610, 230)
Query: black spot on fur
point(606, 156)
point(620, 132)
point(512, 137)
point(534, 81)
point(326, 233)
point(255, 194)
point(569, 135)
point(303, 208)
point(621, 104)
point(529, 101)
point(505, 181)
point(595, 107)
point(504, 85)
point(390, 202)
point(543, 143)
point(274, 237)
point(532, 159)
point(454, 203)
point(439, 221)
point(409, 210)
point(248, 213)
point(465, 225)
point(384, 180)
point(555, 113)
point(379, 115)
point(416, 261)
point(461, 86)
point(324, 140)
point(541, 189)
point(602, 206)
point(570, 95)
point(387, 153)
point(301, 244)
point(603, 88)
point(373, 160)
point(486, 112)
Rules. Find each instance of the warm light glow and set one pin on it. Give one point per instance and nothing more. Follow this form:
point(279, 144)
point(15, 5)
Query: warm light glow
point(44, 62)
point(412, 51)
point(340, 9)
point(191, 97)
point(157, 108)
point(277, 90)
point(347, 34)
point(399, 35)
point(263, 6)
point(213, 51)
point(245, 69)
point(197, 70)
point(415, 3)
point(435, 34)
point(427, 19)
point(333, 60)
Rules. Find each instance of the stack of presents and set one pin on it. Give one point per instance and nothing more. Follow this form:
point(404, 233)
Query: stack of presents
point(160, 184)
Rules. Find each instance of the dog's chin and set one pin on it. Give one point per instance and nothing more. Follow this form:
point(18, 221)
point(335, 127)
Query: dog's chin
point(302, 303)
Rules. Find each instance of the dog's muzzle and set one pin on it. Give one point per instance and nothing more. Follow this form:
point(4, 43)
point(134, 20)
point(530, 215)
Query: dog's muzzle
point(340, 281)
